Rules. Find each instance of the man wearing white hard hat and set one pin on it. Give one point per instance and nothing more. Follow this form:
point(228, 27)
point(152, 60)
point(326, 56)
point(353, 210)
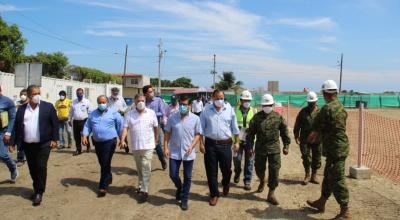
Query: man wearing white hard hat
point(244, 113)
point(330, 125)
point(267, 125)
point(310, 153)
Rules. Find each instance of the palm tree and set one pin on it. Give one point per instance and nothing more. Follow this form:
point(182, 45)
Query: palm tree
point(228, 82)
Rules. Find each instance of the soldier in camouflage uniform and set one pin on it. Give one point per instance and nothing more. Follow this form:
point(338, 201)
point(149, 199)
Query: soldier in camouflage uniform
point(267, 126)
point(330, 124)
point(310, 153)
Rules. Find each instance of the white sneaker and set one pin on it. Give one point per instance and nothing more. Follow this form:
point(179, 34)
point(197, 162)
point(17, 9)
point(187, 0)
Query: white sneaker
point(14, 176)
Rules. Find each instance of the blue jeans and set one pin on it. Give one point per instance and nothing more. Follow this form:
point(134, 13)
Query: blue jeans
point(248, 163)
point(184, 188)
point(64, 126)
point(105, 151)
point(5, 155)
point(159, 147)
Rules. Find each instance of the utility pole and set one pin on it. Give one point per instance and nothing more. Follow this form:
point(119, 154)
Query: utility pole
point(161, 53)
point(214, 72)
point(341, 71)
point(126, 56)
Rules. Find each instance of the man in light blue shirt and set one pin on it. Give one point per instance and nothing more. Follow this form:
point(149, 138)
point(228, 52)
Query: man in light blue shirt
point(182, 133)
point(106, 126)
point(219, 124)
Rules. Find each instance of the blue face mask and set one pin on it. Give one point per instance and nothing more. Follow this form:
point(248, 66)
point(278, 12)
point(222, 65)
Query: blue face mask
point(102, 106)
point(80, 97)
point(183, 109)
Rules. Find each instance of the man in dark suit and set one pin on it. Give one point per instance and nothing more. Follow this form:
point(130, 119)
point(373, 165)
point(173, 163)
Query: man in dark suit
point(36, 125)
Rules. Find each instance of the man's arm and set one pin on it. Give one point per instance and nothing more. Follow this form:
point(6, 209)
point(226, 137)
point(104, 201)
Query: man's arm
point(87, 129)
point(283, 130)
point(297, 127)
point(119, 122)
point(11, 120)
point(54, 126)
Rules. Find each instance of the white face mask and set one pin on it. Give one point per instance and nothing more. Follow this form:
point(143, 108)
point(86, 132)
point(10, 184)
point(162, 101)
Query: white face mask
point(36, 99)
point(140, 106)
point(246, 104)
point(115, 96)
point(62, 97)
point(23, 98)
point(219, 103)
point(267, 109)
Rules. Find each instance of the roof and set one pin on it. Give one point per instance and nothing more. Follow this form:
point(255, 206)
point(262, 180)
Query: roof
point(192, 90)
point(127, 74)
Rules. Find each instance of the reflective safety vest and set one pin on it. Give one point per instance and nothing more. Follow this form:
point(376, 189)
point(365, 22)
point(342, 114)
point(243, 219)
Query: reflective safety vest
point(239, 116)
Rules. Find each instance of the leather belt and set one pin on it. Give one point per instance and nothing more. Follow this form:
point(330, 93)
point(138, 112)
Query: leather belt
point(227, 141)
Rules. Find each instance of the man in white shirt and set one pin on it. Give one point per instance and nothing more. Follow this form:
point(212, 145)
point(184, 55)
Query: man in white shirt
point(197, 106)
point(78, 115)
point(143, 126)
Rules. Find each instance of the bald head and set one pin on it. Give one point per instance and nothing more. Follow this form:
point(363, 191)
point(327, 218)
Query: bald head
point(102, 99)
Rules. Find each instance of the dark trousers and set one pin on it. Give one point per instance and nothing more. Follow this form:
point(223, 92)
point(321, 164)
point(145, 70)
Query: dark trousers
point(159, 146)
point(274, 164)
point(78, 128)
point(105, 151)
point(197, 113)
point(184, 188)
point(217, 154)
point(20, 153)
point(37, 155)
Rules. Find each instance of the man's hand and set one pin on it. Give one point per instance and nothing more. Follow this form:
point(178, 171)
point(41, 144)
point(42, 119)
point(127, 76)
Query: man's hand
point(297, 140)
point(189, 150)
point(166, 152)
point(122, 145)
point(53, 144)
point(11, 148)
point(285, 151)
point(236, 147)
point(202, 149)
point(6, 139)
point(70, 123)
point(312, 137)
point(84, 141)
point(251, 151)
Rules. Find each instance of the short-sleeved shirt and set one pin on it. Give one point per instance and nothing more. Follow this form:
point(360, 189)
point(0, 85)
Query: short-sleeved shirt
point(219, 125)
point(63, 107)
point(80, 110)
point(182, 134)
point(158, 106)
point(117, 104)
point(141, 128)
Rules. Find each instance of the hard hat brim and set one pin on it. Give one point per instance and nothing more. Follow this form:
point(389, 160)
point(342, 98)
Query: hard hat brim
point(247, 99)
point(267, 103)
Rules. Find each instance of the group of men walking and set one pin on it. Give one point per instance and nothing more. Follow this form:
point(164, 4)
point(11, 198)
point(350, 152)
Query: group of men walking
point(223, 133)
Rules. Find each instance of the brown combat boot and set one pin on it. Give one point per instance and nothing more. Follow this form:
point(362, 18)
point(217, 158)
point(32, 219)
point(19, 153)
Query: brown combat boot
point(318, 204)
point(271, 197)
point(306, 179)
point(261, 186)
point(314, 178)
point(344, 213)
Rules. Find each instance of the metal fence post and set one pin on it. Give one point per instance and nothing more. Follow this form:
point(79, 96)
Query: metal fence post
point(360, 134)
point(288, 109)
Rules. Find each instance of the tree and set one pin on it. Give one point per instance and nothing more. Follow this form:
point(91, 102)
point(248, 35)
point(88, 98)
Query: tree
point(180, 82)
point(228, 82)
point(97, 76)
point(12, 46)
point(53, 63)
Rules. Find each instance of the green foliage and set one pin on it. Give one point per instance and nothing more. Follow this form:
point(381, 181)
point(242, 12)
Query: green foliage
point(12, 46)
point(180, 82)
point(53, 63)
point(97, 76)
point(228, 82)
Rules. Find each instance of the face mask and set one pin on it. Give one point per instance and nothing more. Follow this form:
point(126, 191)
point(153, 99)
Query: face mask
point(267, 109)
point(23, 98)
point(183, 109)
point(36, 99)
point(140, 106)
point(62, 97)
point(80, 97)
point(246, 104)
point(219, 103)
point(115, 96)
point(102, 106)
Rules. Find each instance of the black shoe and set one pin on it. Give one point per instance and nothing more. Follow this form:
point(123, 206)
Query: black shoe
point(178, 195)
point(143, 197)
point(76, 153)
point(184, 205)
point(236, 179)
point(164, 166)
point(37, 199)
point(225, 191)
point(88, 150)
point(101, 193)
point(127, 150)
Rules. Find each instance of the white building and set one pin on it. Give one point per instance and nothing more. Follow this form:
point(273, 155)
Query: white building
point(52, 86)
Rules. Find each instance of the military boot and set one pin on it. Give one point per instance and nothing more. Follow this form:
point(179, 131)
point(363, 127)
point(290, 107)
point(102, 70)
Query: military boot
point(261, 186)
point(314, 178)
point(318, 204)
point(344, 213)
point(306, 178)
point(271, 197)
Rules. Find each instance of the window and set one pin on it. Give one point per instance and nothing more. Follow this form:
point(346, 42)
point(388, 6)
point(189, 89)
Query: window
point(69, 92)
point(87, 93)
point(134, 81)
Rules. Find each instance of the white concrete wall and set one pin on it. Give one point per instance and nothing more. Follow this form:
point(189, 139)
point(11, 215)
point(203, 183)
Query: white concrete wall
point(52, 86)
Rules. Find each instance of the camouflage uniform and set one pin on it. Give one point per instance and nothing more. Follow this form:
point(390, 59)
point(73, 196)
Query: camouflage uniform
point(330, 123)
point(302, 129)
point(267, 128)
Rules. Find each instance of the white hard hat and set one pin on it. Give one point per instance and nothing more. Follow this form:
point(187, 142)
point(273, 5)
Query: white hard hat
point(246, 95)
point(329, 86)
point(267, 99)
point(312, 97)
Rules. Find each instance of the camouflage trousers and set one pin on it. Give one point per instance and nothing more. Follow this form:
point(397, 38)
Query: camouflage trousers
point(334, 181)
point(311, 156)
point(274, 164)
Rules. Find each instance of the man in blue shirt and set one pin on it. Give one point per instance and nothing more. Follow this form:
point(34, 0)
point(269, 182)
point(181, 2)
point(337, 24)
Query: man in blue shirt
point(182, 132)
point(106, 126)
point(7, 107)
point(157, 105)
point(219, 124)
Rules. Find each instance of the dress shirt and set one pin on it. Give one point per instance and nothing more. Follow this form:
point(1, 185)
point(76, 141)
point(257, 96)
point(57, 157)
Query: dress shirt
point(80, 110)
point(157, 105)
point(141, 128)
point(182, 133)
point(105, 125)
point(117, 104)
point(31, 124)
point(197, 106)
point(219, 125)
